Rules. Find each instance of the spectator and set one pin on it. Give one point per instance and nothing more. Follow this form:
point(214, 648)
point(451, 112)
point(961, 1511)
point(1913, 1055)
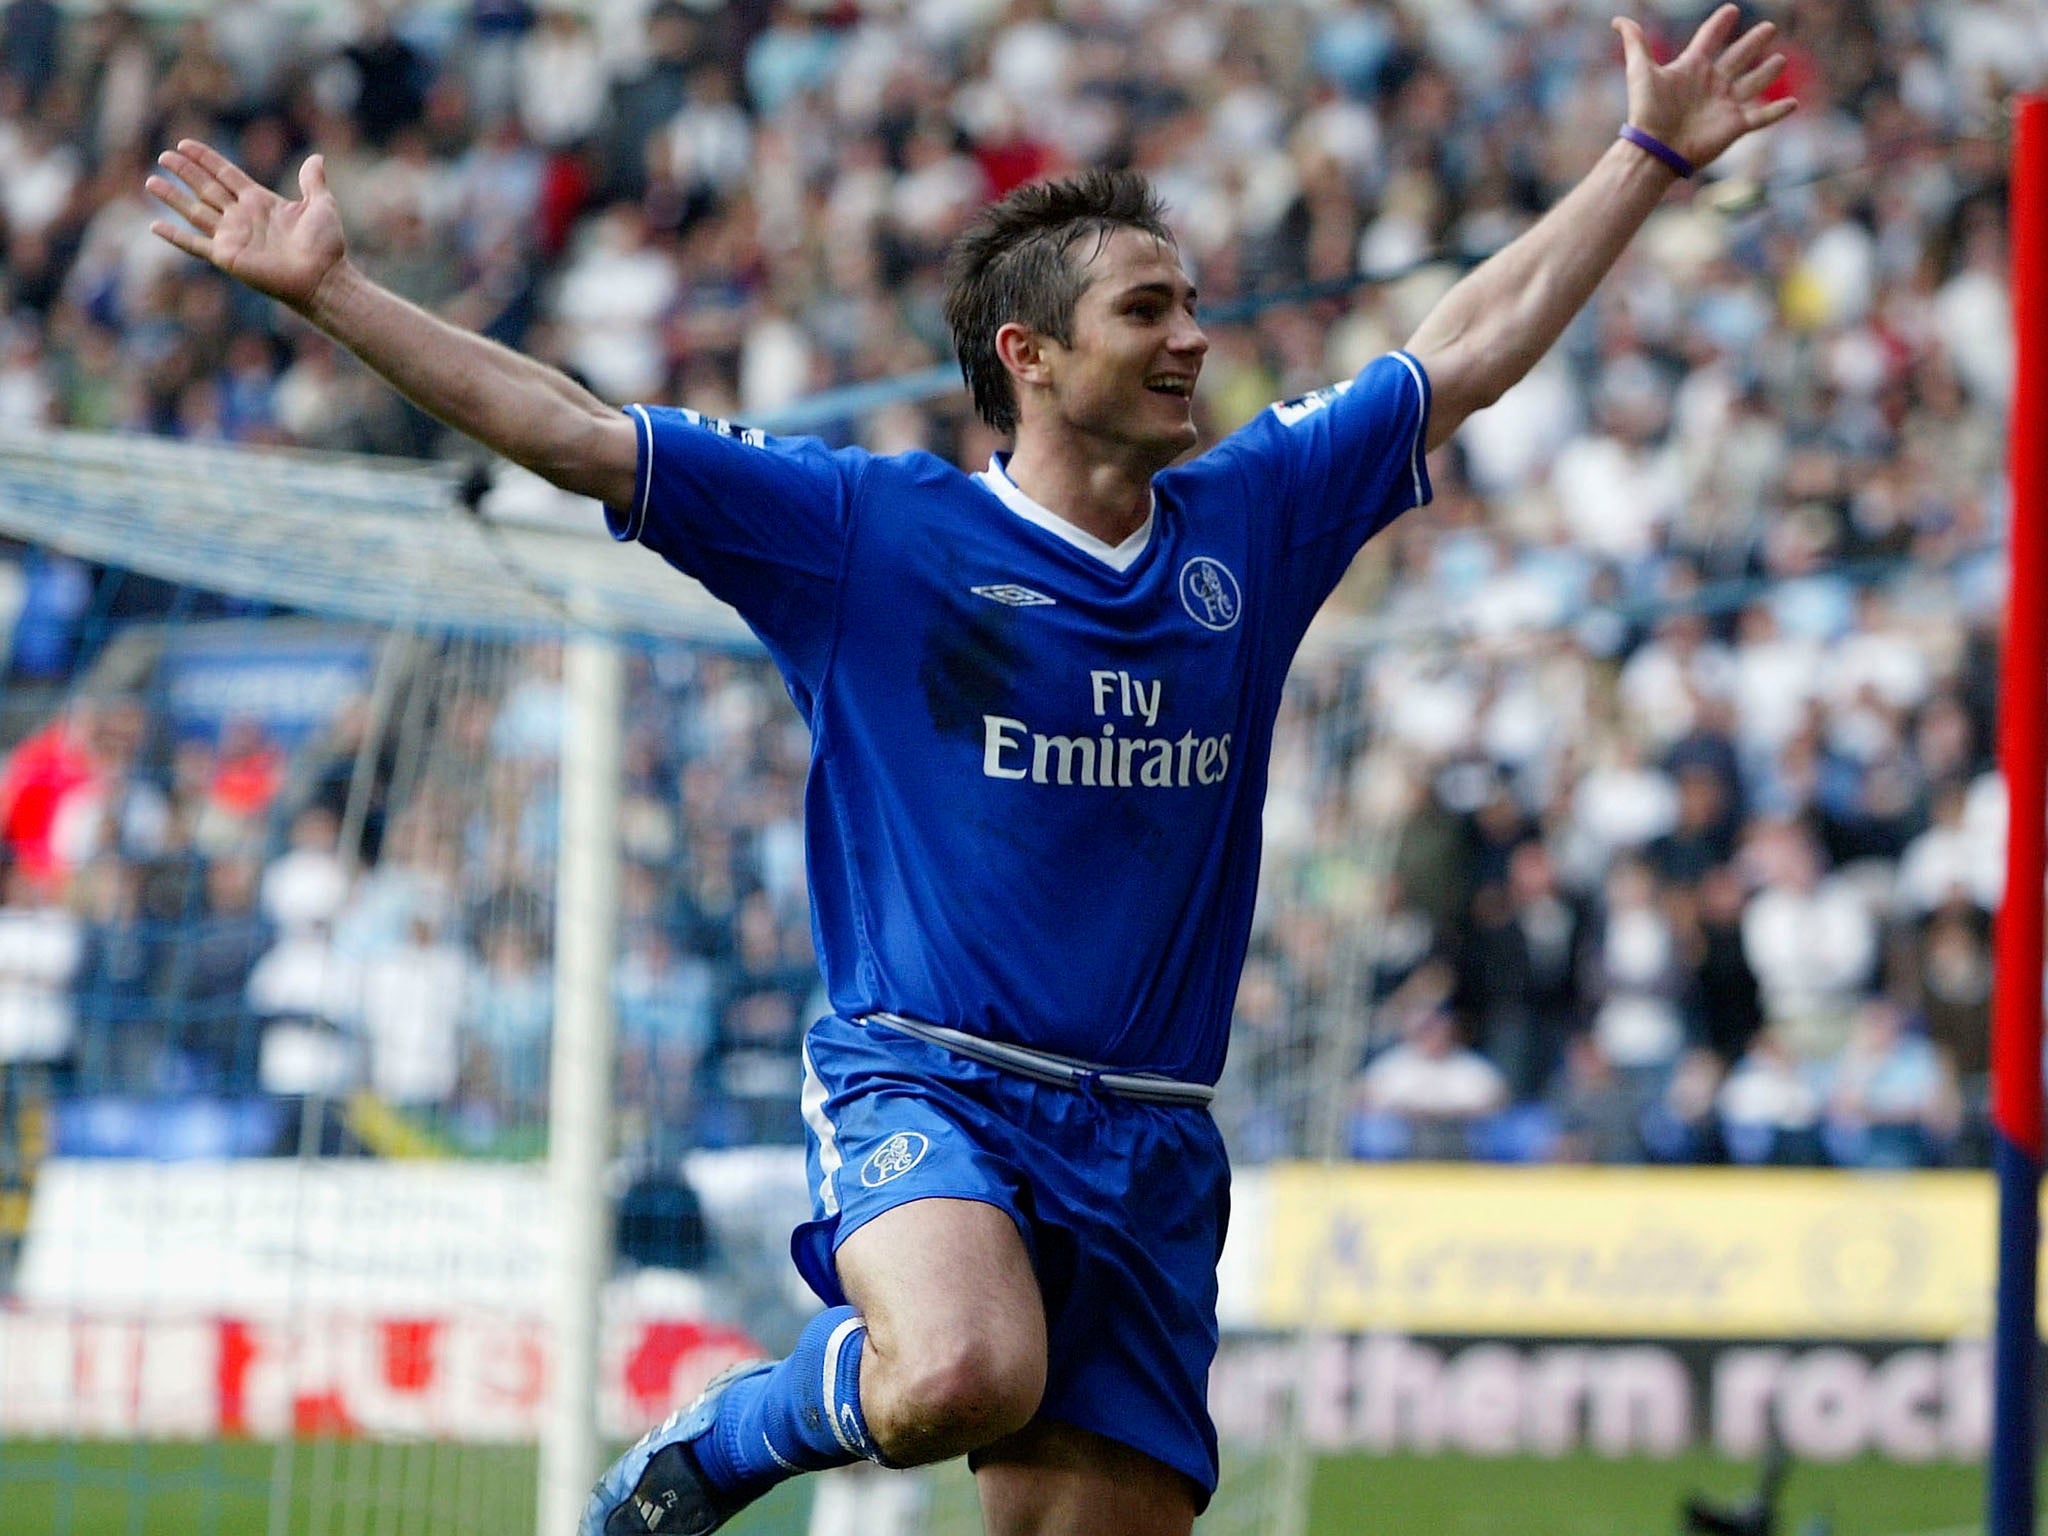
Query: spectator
point(414, 998)
point(40, 946)
point(110, 989)
point(1668, 674)
point(328, 776)
point(1702, 836)
point(645, 99)
point(43, 775)
point(615, 294)
point(1810, 940)
point(120, 807)
point(308, 883)
point(210, 958)
point(383, 76)
point(708, 142)
point(1893, 1102)
point(305, 1000)
point(301, 979)
point(248, 772)
point(1423, 1093)
point(561, 78)
point(1725, 1006)
point(1597, 1114)
point(1636, 978)
point(1948, 861)
point(46, 628)
point(45, 169)
point(497, 190)
point(792, 54)
point(761, 1024)
point(123, 81)
point(1953, 967)
point(255, 40)
point(1624, 803)
point(1770, 1105)
point(416, 881)
point(664, 1011)
point(1620, 484)
point(497, 31)
point(1682, 1126)
point(30, 47)
point(1775, 676)
point(199, 78)
point(1524, 968)
point(510, 1010)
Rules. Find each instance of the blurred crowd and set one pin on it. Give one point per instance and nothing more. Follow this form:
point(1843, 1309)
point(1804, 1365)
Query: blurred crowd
point(1635, 800)
point(212, 914)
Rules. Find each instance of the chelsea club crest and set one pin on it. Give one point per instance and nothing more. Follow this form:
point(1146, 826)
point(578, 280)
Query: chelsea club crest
point(1210, 593)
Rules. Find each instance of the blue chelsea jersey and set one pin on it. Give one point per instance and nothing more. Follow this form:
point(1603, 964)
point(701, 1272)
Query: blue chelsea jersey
point(1033, 809)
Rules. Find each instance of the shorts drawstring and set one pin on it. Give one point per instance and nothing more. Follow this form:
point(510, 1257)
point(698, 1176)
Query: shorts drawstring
point(1090, 1078)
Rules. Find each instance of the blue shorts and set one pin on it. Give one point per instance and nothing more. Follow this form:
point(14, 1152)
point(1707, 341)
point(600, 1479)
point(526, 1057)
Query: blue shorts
point(1122, 1206)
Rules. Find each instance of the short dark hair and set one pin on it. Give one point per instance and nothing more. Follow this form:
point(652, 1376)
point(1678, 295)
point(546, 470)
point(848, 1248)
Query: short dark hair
point(1014, 263)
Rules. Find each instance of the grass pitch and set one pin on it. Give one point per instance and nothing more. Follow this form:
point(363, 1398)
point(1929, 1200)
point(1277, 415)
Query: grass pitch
point(358, 1489)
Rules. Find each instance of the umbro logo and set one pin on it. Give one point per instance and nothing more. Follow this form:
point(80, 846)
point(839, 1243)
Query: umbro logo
point(1011, 595)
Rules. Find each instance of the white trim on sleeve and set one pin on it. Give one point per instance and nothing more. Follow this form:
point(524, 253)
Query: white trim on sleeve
point(638, 521)
point(1421, 422)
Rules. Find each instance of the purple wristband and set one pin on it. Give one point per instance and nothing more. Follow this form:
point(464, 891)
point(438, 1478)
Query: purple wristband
point(1656, 146)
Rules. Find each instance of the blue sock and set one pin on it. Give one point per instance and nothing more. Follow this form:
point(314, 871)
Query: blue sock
point(802, 1416)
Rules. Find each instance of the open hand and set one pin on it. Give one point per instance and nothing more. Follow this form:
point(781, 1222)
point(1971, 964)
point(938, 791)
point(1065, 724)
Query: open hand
point(1707, 97)
point(283, 249)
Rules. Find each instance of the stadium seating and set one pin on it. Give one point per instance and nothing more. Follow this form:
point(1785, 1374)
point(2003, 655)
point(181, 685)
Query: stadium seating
point(1676, 705)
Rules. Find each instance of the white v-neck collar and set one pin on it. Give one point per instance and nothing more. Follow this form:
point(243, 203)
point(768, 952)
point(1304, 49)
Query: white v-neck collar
point(1118, 557)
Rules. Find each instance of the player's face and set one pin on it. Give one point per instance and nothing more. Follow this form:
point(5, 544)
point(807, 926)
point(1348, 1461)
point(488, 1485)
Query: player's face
point(1129, 376)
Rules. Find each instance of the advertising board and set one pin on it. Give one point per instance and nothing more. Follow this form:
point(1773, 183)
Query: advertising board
point(1389, 1393)
point(1630, 1253)
point(263, 1296)
point(462, 1375)
point(1484, 1310)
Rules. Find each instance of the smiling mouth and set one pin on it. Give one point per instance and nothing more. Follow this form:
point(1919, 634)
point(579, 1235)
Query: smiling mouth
point(1171, 384)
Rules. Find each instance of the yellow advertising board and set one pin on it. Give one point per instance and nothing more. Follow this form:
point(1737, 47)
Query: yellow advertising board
point(1634, 1253)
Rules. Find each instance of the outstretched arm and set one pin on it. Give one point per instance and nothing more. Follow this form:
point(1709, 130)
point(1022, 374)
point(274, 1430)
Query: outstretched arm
point(297, 254)
point(1491, 328)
